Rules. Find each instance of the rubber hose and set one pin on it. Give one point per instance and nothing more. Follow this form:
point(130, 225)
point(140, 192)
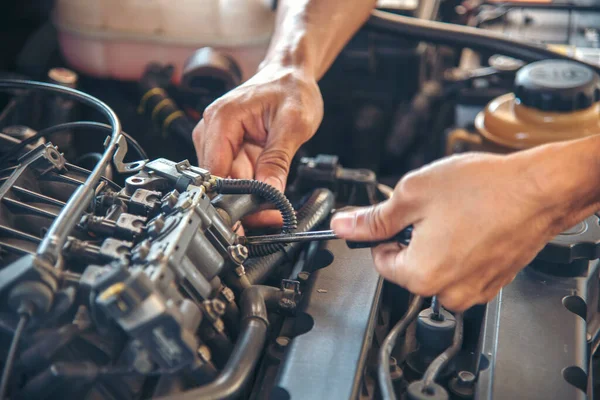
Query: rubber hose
point(271, 195)
point(316, 209)
point(247, 351)
point(237, 207)
point(265, 191)
point(463, 36)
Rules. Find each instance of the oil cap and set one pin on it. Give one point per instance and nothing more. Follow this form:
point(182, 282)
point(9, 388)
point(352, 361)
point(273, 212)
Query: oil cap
point(581, 242)
point(557, 86)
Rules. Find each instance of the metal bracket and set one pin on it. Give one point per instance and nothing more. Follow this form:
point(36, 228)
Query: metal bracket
point(119, 156)
point(197, 175)
point(290, 285)
point(291, 293)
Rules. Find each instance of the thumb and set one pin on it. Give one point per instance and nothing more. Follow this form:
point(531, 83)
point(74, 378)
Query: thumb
point(273, 164)
point(377, 222)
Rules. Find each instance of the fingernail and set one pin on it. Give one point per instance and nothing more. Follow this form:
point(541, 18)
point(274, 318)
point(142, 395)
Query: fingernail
point(343, 223)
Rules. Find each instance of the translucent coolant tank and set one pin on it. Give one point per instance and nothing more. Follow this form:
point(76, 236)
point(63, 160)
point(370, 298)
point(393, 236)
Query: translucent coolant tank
point(118, 38)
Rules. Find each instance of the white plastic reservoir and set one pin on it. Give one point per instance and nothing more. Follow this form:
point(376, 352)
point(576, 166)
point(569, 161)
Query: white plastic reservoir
point(118, 38)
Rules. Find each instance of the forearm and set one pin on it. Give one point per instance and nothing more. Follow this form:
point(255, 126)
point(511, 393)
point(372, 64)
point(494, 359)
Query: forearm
point(568, 175)
point(309, 34)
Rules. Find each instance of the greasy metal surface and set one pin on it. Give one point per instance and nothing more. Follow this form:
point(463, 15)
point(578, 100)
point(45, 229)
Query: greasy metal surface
point(342, 299)
point(530, 337)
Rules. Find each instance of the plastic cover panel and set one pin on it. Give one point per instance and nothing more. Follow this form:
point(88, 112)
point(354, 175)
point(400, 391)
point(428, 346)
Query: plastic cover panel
point(530, 338)
point(328, 361)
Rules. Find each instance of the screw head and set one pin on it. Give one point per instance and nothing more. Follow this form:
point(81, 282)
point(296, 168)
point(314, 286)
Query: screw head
point(218, 306)
point(238, 253)
point(282, 342)
point(63, 76)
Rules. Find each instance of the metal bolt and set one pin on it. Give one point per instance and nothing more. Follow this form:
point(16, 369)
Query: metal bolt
point(218, 307)
point(303, 276)
point(227, 294)
point(435, 309)
point(204, 353)
point(282, 342)
point(396, 372)
point(63, 77)
point(240, 271)
point(238, 253)
point(465, 379)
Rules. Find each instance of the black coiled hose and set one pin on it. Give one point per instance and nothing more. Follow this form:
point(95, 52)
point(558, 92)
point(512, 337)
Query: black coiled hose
point(316, 209)
point(263, 250)
point(271, 195)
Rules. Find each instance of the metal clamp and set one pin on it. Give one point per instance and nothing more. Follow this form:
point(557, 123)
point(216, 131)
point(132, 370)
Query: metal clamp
point(195, 174)
point(291, 294)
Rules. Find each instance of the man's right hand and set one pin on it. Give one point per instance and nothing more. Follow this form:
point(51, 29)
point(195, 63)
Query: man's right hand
point(254, 131)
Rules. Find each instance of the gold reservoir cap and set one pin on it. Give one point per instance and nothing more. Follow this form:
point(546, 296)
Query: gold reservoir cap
point(507, 122)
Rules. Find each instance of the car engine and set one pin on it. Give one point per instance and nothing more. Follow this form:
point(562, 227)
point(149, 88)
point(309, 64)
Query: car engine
point(124, 273)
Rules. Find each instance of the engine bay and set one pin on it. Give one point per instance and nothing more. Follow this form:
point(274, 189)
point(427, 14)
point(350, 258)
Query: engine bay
point(124, 273)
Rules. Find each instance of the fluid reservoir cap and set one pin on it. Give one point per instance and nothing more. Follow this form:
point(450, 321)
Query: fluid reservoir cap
point(581, 242)
point(557, 86)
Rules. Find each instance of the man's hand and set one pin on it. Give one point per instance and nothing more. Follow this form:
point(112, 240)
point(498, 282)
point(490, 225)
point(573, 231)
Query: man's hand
point(254, 131)
point(478, 219)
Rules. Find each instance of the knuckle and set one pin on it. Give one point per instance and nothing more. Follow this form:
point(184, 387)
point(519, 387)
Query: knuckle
point(210, 111)
point(197, 134)
point(277, 159)
point(409, 186)
point(377, 226)
point(296, 116)
point(225, 108)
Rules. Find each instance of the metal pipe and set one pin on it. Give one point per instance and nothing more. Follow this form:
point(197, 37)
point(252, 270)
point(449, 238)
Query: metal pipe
point(383, 373)
point(56, 237)
point(248, 348)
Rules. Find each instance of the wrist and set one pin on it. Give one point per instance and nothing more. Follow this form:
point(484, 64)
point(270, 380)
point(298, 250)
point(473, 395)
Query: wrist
point(291, 46)
point(281, 63)
point(567, 174)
